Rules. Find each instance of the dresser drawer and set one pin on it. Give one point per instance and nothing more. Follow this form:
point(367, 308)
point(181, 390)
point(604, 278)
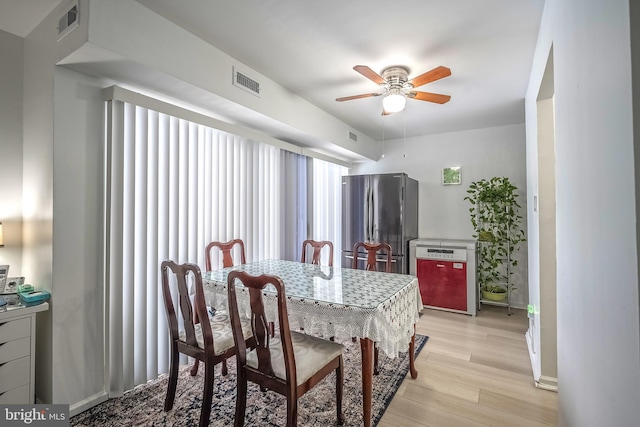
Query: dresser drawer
point(15, 349)
point(14, 329)
point(18, 395)
point(14, 373)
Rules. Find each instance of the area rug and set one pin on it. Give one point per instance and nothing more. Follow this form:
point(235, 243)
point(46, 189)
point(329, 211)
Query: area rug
point(143, 406)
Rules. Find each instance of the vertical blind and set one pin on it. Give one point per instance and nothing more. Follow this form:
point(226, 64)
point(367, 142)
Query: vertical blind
point(171, 187)
point(327, 203)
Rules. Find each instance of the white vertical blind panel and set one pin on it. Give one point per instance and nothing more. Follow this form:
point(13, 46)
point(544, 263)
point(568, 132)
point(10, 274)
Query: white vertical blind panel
point(192, 194)
point(327, 201)
point(215, 193)
point(276, 198)
point(235, 190)
point(151, 261)
point(138, 304)
point(173, 206)
point(163, 236)
point(114, 260)
point(128, 236)
point(183, 191)
point(223, 194)
point(207, 199)
point(202, 183)
point(243, 193)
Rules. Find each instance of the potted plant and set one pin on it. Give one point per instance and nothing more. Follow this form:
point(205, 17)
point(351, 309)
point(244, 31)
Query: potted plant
point(497, 227)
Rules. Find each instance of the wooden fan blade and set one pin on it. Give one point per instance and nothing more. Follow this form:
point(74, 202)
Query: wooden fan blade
point(431, 97)
point(370, 74)
point(364, 95)
point(430, 76)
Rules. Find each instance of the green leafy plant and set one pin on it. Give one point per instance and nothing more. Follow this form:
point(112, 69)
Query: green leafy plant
point(497, 226)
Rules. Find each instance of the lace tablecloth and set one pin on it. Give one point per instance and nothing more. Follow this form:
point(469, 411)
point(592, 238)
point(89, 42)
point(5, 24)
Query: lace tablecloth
point(334, 301)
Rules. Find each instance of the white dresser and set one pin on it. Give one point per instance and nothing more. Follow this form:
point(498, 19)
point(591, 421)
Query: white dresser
point(17, 354)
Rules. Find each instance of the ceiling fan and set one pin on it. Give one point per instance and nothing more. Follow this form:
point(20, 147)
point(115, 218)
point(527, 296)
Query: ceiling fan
point(396, 86)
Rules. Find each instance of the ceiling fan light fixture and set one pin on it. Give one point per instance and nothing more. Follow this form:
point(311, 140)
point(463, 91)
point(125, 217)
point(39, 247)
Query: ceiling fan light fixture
point(394, 102)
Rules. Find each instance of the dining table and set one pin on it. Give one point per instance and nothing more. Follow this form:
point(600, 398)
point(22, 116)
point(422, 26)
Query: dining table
point(337, 303)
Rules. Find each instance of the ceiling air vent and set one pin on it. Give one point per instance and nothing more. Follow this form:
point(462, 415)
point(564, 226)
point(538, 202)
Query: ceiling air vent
point(245, 82)
point(353, 137)
point(68, 21)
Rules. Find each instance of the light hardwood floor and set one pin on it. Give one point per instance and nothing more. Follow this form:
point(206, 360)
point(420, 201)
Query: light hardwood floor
point(473, 371)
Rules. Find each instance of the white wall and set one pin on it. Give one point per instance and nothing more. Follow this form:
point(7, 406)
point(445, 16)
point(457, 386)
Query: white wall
point(37, 203)
point(442, 210)
point(545, 313)
point(77, 326)
point(11, 151)
point(598, 337)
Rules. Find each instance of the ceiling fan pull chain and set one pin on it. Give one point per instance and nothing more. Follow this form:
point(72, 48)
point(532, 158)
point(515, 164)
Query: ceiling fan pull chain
point(404, 133)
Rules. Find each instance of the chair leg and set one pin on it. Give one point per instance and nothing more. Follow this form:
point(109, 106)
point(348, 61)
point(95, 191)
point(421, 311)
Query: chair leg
point(376, 371)
point(339, 389)
point(272, 329)
point(241, 398)
point(207, 394)
point(292, 411)
point(196, 363)
point(173, 379)
point(194, 369)
point(412, 356)
point(224, 371)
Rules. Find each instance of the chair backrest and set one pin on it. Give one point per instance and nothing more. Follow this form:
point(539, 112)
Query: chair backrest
point(189, 345)
point(372, 255)
point(259, 323)
point(226, 248)
point(317, 248)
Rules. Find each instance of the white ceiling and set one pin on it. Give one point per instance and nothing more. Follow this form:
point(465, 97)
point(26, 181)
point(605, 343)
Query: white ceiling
point(311, 47)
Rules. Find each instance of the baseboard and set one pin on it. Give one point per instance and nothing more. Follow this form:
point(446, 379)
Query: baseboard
point(533, 358)
point(547, 383)
point(87, 403)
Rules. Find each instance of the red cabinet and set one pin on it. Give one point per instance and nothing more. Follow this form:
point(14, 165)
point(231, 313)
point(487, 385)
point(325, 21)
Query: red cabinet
point(443, 283)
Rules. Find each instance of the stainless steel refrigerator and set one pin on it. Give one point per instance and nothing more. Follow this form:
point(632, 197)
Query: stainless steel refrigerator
point(379, 208)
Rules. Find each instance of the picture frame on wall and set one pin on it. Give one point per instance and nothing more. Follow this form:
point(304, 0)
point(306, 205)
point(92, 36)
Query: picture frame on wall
point(452, 175)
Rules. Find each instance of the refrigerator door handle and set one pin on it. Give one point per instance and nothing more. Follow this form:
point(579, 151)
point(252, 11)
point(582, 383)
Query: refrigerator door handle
point(366, 213)
point(371, 215)
point(367, 219)
point(372, 218)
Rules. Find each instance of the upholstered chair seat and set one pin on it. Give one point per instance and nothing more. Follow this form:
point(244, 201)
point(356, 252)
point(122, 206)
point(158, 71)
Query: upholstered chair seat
point(222, 333)
point(309, 352)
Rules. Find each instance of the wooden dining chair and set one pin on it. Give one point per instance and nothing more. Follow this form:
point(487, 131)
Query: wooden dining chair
point(290, 363)
point(227, 261)
point(226, 249)
point(372, 250)
point(211, 342)
point(371, 264)
point(317, 248)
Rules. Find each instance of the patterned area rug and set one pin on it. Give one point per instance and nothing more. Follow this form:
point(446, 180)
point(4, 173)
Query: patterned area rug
point(143, 406)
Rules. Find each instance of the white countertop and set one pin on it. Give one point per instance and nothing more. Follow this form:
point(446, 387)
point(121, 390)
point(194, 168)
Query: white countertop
point(10, 311)
point(444, 243)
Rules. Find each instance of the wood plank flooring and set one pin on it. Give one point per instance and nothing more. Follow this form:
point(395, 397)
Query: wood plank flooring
point(473, 371)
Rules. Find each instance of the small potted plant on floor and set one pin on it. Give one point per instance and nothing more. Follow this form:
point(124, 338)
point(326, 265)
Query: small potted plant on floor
point(496, 223)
